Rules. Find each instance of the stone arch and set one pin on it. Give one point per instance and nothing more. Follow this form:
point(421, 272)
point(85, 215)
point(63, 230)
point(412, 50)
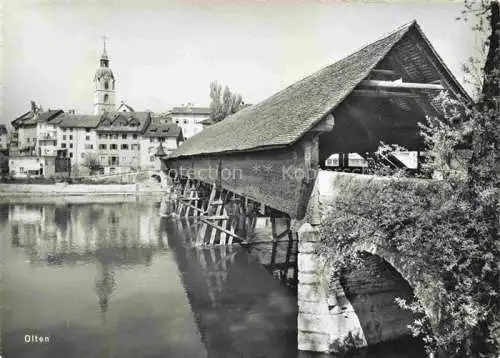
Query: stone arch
point(371, 290)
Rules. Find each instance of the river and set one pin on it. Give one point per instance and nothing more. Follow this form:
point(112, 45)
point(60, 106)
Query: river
point(103, 279)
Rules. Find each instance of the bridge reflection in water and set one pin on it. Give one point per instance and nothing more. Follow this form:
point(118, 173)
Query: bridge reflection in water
point(116, 280)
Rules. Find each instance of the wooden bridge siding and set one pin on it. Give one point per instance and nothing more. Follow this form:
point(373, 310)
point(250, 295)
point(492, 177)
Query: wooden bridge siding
point(261, 176)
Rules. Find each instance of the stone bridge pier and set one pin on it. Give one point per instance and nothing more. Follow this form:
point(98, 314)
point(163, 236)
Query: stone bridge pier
point(358, 309)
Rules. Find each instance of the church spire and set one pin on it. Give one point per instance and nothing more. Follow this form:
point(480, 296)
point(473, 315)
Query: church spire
point(104, 56)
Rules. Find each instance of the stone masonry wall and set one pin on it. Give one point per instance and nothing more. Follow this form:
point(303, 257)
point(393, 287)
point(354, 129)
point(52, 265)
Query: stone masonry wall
point(328, 321)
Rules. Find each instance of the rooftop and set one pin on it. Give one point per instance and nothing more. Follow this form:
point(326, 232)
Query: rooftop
point(136, 122)
point(28, 118)
point(78, 121)
point(191, 110)
point(285, 117)
point(158, 129)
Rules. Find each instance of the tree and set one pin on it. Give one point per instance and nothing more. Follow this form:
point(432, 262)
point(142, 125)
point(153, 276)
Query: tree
point(222, 103)
point(91, 162)
point(450, 227)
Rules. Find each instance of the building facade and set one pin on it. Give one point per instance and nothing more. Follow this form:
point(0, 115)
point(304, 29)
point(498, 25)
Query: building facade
point(190, 118)
point(162, 134)
point(119, 141)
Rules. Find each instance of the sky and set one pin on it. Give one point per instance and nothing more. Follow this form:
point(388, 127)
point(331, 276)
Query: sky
point(165, 53)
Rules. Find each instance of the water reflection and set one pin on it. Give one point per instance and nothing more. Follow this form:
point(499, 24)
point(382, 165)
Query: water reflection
point(117, 280)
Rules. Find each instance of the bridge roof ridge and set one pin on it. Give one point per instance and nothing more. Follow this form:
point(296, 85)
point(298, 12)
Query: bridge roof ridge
point(286, 116)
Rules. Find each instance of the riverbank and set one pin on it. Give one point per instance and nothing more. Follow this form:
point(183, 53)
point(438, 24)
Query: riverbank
point(30, 190)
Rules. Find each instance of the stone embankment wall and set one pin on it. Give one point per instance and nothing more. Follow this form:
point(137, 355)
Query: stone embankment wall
point(77, 189)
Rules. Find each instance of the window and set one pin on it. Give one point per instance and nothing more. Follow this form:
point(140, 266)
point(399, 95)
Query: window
point(21, 170)
point(64, 137)
point(106, 98)
point(106, 86)
point(113, 146)
point(89, 146)
point(71, 129)
point(101, 171)
point(124, 146)
point(134, 136)
point(124, 136)
point(64, 129)
point(71, 155)
point(135, 146)
point(151, 139)
point(71, 145)
point(102, 146)
point(185, 121)
point(63, 145)
point(70, 137)
point(83, 155)
point(152, 158)
point(87, 137)
point(87, 130)
point(114, 136)
point(162, 139)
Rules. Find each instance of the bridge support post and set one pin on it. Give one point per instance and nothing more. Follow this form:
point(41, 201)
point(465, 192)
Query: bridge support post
point(326, 319)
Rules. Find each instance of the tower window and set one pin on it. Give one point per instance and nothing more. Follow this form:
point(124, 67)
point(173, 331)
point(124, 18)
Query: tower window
point(105, 98)
point(106, 85)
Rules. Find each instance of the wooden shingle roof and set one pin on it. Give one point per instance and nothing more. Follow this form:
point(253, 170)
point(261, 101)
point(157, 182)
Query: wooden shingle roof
point(168, 130)
point(135, 122)
point(79, 121)
point(285, 117)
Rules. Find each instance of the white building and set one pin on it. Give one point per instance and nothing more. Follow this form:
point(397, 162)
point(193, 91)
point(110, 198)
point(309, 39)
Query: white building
point(24, 166)
point(159, 133)
point(190, 118)
point(119, 140)
point(78, 138)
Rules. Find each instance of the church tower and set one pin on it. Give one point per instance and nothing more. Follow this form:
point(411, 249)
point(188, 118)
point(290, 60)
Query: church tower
point(104, 82)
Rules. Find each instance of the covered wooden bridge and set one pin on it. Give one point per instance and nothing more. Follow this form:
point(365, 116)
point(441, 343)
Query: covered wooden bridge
point(270, 158)
point(271, 152)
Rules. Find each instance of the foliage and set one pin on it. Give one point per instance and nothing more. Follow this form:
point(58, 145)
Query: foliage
point(448, 229)
point(91, 162)
point(224, 103)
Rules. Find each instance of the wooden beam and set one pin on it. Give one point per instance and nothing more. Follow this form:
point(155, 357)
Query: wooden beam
point(401, 85)
point(396, 62)
point(384, 74)
point(325, 125)
point(377, 93)
point(222, 229)
point(440, 68)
